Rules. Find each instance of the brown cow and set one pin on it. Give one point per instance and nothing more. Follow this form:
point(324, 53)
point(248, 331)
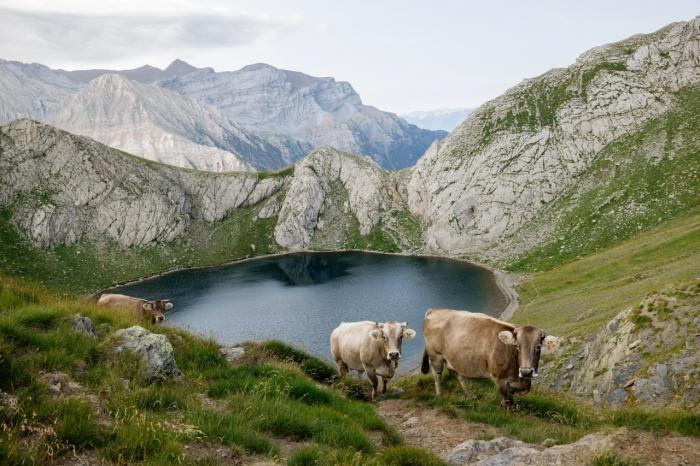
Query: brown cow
point(155, 310)
point(477, 346)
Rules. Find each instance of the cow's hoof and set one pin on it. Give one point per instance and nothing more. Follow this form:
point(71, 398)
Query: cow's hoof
point(507, 405)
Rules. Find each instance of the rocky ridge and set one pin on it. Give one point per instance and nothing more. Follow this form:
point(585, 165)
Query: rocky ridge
point(258, 117)
point(518, 153)
point(320, 111)
point(647, 353)
point(62, 188)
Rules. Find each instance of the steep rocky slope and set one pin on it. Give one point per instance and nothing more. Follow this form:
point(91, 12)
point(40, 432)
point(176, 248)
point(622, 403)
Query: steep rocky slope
point(647, 353)
point(164, 126)
point(321, 111)
point(76, 197)
point(64, 187)
point(31, 90)
point(516, 155)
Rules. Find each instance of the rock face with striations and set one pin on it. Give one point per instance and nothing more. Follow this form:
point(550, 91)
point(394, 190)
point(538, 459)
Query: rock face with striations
point(313, 180)
point(72, 187)
point(516, 154)
point(320, 111)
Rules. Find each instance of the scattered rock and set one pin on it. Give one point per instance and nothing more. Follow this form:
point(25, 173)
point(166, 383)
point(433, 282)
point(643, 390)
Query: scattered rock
point(8, 401)
point(83, 324)
point(61, 385)
point(232, 353)
point(154, 350)
point(474, 451)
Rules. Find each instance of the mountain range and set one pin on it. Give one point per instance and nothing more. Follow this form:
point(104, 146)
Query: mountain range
point(256, 118)
point(564, 161)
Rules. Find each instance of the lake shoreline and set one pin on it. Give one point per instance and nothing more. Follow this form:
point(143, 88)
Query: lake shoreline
point(505, 282)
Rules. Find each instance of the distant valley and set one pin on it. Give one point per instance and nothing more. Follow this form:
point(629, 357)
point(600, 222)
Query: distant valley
point(445, 119)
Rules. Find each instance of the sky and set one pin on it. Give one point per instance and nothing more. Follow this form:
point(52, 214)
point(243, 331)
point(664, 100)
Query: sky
point(400, 56)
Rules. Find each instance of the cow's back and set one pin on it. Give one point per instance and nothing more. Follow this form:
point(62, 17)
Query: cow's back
point(347, 341)
point(114, 301)
point(467, 340)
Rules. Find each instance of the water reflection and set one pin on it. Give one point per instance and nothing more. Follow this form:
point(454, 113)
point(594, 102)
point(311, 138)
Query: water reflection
point(302, 297)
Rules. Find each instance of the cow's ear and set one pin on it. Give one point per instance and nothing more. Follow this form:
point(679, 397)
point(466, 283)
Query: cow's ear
point(550, 343)
point(168, 306)
point(147, 306)
point(376, 334)
point(409, 333)
point(403, 324)
point(507, 338)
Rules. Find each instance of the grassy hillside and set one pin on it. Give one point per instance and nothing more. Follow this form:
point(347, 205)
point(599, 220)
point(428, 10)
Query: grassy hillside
point(641, 180)
point(580, 296)
point(267, 405)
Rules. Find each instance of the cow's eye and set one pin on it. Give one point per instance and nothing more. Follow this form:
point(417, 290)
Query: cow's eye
point(384, 337)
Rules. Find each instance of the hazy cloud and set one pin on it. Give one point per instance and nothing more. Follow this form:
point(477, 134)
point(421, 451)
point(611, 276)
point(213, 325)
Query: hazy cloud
point(86, 37)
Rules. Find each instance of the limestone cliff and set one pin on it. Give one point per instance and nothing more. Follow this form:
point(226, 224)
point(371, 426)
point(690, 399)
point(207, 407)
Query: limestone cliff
point(517, 154)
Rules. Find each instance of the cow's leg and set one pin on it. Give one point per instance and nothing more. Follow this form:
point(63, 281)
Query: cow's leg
point(506, 392)
point(384, 382)
point(372, 376)
point(343, 368)
point(463, 382)
point(436, 364)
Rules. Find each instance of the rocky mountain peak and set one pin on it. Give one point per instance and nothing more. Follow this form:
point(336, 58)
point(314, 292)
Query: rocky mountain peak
point(178, 68)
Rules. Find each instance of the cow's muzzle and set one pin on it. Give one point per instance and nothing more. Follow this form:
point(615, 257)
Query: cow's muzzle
point(527, 373)
point(394, 357)
point(159, 318)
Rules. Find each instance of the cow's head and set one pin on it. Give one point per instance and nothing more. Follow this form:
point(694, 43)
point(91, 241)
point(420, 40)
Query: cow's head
point(391, 335)
point(156, 309)
point(530, 343)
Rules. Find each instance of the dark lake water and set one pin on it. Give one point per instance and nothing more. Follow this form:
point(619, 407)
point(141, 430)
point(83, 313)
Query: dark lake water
point(300, 298)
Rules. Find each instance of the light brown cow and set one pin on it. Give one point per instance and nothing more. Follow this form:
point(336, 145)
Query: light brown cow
point(369, 347)
point(154, 310)
point(477, 346)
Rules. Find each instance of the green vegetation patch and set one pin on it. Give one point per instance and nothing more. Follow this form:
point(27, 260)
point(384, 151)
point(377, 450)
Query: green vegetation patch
point(273, 394)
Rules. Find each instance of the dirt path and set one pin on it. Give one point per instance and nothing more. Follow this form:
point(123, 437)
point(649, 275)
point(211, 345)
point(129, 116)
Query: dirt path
point(440, 433)
point(428, 428)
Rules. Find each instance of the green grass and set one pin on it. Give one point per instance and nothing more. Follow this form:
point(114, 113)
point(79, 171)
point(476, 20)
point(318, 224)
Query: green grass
point(579, 297)
point(275, 392)
point(542, 414)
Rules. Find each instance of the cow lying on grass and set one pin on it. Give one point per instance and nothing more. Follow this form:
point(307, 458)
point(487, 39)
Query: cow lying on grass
point(477, 346)
point(153, 310)
point(369, 347)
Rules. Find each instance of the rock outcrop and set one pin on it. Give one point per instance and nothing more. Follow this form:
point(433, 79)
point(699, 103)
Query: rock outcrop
point(647, 353)
point(83, 324)
point(153, 349)
point(506, 451)
point(518, 153)
point(364, 182)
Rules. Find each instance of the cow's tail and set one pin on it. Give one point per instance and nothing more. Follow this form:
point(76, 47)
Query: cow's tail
point(425, 366)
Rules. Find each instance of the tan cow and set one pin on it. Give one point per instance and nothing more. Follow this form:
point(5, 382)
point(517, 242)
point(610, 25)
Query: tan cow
point(155, 310)
point(477, 346)
point(369, 347)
